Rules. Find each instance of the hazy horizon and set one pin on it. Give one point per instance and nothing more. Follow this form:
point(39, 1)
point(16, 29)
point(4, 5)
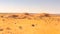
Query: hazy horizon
point(30, 6)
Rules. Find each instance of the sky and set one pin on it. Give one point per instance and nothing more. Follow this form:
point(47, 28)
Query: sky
point(30, 6)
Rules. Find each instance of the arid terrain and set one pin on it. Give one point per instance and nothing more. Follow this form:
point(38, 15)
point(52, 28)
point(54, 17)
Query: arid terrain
point(29, 23)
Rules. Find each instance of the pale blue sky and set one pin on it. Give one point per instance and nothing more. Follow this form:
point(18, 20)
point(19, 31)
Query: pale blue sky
point(32, 6)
